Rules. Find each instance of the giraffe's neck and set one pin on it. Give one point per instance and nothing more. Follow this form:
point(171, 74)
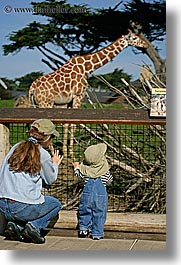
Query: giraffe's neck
point(97, 59)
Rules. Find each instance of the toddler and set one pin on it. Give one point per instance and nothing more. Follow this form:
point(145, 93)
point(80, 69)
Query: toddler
point(94, 170)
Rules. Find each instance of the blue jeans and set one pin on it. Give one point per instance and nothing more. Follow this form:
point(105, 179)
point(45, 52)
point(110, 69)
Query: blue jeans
point(93, 207)
point(39, 215)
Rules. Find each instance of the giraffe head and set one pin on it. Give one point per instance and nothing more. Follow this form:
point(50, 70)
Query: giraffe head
point(135, 40)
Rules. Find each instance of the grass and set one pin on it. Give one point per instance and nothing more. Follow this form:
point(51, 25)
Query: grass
point(7, 103)
point(104, 106)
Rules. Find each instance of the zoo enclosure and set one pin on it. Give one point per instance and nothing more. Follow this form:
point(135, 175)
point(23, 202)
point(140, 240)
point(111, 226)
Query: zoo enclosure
point(136, 153)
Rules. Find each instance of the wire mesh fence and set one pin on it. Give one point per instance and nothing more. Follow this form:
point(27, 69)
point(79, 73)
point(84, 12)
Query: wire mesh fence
point(137, 157)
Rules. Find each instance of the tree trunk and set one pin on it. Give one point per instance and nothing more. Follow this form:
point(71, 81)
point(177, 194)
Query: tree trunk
point(159, 63)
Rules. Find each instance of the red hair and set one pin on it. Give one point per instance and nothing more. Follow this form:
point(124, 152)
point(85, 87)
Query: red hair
point(26, 158)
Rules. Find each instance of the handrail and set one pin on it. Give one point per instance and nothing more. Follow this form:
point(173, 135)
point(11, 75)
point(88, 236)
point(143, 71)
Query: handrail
point(76, 116)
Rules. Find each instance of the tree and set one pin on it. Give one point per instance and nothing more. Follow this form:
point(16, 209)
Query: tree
point(6, 94)
point(113, 78)
point(78, 30)
point(18, 84)
point(11, 84)
point(151, 26)
point(25, 81)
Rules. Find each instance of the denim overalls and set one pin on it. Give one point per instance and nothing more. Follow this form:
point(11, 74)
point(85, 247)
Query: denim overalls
point(93, 207)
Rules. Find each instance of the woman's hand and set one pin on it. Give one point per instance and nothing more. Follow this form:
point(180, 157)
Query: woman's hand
point(56, 158)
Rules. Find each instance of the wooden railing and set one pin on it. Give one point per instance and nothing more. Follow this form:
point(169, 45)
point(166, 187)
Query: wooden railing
point(112, 116)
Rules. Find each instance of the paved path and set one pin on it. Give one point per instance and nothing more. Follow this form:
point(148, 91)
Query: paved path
point(74, 243)
point(142, 232)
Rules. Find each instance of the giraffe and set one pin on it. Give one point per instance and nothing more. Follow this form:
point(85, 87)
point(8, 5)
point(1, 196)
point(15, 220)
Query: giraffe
point(22, 102)
point(68, 84)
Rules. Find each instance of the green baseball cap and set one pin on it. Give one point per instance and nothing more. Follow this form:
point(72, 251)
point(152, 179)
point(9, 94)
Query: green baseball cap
point(45, 127)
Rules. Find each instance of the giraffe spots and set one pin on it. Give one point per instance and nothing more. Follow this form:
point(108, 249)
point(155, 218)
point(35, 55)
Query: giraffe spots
point(73, 60)
point(111, 55)
point(57, 78)
point(48, 85)
point(64, 94)
point(73, 83)
point(43, 79)
point(105, 52)
point(68, 75)
point(97, 65)
point(81, 68)
point(67, 70)
point(51, 81)
point(73, 75)
point(32, 87)
point(46, 94)
point(106, 60)
point(110, 48)
point(78, 92)
point(61, 88)
point(62, 70)
point(78, 89)
point(101, 55)
point(95, 58)
point(40, 98)
point(88, 66)
point(76, 68)
point(67, 88)
point(80, 60)
point(55, 88)
point(79, 77)
point(38, 83)
point(122, 45)
point(67, 80)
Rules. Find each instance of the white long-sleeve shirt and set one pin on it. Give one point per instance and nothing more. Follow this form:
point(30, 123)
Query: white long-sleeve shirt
point(21, 186)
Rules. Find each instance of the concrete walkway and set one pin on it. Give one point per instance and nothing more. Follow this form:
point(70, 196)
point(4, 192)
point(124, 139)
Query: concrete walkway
point(75, 244)
point(122, 232)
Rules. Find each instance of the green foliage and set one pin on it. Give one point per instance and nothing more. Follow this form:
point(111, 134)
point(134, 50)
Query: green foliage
point(18, 84)
point(152, 19)
point(34, 35)
point(113, 78)
point(80, 30)
point(25, 81)
point(6, 103)
point(104, 106)
point(11, 84)
point(6, 94)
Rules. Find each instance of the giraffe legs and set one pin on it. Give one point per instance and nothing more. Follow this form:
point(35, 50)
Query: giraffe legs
point(65, 139)
point(72, 131)
point(68, 149)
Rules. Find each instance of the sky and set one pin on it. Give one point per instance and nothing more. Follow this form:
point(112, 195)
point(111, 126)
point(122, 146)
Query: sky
point(27, 61)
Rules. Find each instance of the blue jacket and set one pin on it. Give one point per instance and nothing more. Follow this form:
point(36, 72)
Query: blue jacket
point(23, 187)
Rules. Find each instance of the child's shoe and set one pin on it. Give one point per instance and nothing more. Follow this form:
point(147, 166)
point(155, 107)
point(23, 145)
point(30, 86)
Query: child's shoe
point(83, 233)
point(97, 237)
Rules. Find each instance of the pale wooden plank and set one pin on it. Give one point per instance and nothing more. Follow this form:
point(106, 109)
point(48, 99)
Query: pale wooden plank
point(125, 222)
